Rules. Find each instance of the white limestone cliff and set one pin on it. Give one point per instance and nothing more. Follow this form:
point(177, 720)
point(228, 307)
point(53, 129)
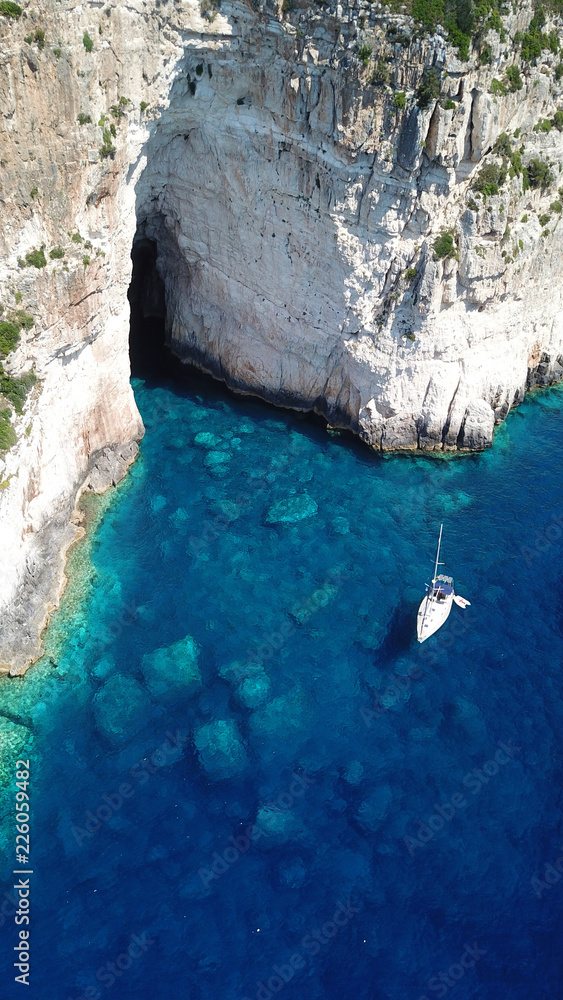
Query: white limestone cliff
point(294, 209)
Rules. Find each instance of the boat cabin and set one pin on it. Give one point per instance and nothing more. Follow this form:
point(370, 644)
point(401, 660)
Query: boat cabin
point(440, 591)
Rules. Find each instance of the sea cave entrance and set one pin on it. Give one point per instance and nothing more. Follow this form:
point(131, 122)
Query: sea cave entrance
point(150, 358)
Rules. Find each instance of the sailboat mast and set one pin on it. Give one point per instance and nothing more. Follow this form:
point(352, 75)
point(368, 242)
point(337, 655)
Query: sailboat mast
point(433, 583)
point(438, 555)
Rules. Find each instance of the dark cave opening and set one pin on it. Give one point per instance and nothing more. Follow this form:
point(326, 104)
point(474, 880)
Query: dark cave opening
point(152, 360)
point(149, 355)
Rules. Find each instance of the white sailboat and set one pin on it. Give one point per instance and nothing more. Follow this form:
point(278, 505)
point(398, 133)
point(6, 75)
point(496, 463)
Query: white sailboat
point(437, 604)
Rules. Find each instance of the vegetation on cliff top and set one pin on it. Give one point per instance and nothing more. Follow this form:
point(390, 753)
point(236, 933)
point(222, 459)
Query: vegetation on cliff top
point(9, 9)
point(464, 20)
point(468, 21)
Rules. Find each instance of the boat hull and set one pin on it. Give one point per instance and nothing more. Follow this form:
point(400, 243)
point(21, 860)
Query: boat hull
point(431, 616)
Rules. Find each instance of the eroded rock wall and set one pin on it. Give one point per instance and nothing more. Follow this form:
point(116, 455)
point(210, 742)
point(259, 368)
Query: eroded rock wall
point(80, 424)
point(292, 202)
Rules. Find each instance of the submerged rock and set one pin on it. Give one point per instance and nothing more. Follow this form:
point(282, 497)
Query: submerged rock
point(103, 667)
point(277, 825)
point(354, 773)
point(158, 503)
point(172, 670)
point(341, 525)
point(282, 714)
point(15, 741)
point(238, 670)
point(215, 458)
point(373, 810)
point(254, 690)
point(220, 749)
point(291, 509)
point(207, 440)
point(120, 707)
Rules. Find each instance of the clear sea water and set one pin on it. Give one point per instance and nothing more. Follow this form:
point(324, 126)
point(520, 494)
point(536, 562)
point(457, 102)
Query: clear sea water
point(298, 733)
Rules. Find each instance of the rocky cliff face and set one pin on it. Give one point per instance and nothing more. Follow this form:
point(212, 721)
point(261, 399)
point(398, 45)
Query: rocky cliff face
point(318, 233)
point(80, 424)
point(296, 206)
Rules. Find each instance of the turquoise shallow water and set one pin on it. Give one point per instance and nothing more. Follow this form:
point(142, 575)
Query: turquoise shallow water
point(248, 778)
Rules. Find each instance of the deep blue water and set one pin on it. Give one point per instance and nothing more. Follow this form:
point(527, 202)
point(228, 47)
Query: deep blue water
point(301, 719)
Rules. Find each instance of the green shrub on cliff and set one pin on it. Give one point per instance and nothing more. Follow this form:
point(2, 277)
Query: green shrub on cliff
point(534, 41)
point(381, 75)
point(466, 21)
point(491, 177)
point(22, 319)
point(36, 258)
point(7, 432)
point(429, 88)
point(16, 389)
point(503, 145)
point(107, 148)
point(9, 337)
point(515, 81)
point(364, 54)
point(485, 55)
point(9, 9)
point(208, 9)
point(87, 42)
point(538, 174)
point(444, 246)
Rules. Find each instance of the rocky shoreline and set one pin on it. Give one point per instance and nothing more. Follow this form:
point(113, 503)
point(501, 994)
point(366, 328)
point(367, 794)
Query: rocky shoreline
point(44, 584)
